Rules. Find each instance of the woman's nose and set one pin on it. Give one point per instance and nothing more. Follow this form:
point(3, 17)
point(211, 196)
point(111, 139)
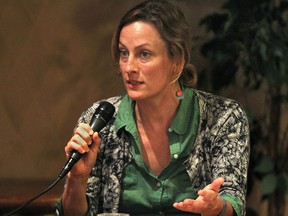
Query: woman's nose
point(131, 65)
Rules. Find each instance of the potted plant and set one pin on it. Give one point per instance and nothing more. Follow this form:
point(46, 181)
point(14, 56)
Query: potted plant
point(249, 39)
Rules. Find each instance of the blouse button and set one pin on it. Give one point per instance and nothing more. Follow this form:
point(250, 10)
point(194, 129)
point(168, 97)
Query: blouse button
point(176, 156)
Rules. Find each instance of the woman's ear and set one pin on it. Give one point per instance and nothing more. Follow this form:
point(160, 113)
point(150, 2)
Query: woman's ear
point(177, 69)
point(179, 64)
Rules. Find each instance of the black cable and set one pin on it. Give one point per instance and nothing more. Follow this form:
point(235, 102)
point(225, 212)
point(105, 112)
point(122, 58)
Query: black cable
point(34, 198)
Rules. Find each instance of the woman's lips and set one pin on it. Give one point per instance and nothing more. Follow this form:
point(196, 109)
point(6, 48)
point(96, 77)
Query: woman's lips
point(134, 82)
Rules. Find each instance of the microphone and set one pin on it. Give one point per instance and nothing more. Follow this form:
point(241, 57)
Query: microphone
point(100, 119)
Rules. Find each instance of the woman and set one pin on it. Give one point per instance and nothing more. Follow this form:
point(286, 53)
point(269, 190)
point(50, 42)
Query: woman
point(169, 149)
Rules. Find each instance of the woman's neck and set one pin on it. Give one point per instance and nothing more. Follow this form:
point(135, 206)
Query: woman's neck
point(155, 113)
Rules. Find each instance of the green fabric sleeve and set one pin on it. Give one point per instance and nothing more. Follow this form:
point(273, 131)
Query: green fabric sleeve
point(235, 203)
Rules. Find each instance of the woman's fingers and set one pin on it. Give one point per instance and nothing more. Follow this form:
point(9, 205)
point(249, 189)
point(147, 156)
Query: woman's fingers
point(85, 132)
point(207, 201)
point(81, 139)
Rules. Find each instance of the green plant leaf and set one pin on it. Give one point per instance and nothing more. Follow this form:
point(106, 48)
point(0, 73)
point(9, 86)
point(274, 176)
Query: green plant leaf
point(268, 184)
point(265, 165)
point(282, 184)
point(286, 184)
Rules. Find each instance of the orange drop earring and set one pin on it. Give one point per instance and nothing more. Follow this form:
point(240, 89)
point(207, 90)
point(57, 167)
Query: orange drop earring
point(179, 94)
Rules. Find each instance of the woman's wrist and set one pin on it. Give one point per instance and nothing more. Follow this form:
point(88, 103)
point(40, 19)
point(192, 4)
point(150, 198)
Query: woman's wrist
point(79, 182)
point(224, 208)
point(77, 178)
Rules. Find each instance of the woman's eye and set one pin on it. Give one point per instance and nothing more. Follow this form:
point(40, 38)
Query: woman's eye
point(145, 54)
point(123, 53)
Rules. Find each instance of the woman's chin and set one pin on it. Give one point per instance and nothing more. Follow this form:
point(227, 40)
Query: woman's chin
point(135, 96)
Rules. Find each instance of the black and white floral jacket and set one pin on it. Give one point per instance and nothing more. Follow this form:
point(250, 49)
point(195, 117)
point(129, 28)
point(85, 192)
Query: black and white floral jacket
point(221, 149)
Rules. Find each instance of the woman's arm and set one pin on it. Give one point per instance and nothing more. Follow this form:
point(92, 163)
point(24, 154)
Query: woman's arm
point(86, 142)
point(74, 196)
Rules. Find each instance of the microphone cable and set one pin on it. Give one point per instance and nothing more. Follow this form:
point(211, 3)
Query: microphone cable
point(33, 198)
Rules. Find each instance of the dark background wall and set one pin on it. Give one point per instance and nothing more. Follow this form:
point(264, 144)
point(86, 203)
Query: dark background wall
point(55, 62)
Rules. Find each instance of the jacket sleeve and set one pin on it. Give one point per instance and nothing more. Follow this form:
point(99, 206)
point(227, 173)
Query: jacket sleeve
point(230, 156)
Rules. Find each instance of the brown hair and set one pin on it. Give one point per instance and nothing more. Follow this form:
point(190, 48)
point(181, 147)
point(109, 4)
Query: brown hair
point(172, 27)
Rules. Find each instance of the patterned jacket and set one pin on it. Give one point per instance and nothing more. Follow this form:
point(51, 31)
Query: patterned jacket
point(221, 149)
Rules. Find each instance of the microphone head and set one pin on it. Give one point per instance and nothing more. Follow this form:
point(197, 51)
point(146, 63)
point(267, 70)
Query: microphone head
point(106, 110)
point(102, 115)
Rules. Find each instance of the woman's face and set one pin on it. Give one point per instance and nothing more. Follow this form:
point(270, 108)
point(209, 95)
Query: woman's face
point(146, 68)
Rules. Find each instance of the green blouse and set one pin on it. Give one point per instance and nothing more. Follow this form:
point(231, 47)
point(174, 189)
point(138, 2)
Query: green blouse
point(144, 193)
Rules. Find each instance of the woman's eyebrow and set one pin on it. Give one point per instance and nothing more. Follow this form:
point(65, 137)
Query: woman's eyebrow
point(137, 47)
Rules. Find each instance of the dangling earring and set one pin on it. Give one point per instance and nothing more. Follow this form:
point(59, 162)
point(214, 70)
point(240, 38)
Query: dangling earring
point(180, 93)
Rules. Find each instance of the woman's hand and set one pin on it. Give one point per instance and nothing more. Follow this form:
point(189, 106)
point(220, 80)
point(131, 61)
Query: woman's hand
point(86, 142)
point(207, 203)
